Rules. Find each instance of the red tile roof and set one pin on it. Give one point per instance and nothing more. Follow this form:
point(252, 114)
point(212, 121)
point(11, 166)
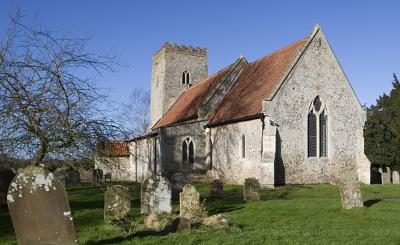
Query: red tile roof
point(187, 105)
point(244, 99)
point(254, 84)
point(114, 149)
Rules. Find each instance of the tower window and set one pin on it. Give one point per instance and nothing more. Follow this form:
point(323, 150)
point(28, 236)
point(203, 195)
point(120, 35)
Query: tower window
point(185, 78)
point(188, 151)
point(317, 120)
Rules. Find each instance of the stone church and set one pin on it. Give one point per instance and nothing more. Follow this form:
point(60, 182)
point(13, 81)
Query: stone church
point(290, 117)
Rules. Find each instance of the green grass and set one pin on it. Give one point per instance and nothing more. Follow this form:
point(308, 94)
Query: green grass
point(290, 215)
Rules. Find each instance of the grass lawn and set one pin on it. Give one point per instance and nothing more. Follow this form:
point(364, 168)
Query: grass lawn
point(289, 215)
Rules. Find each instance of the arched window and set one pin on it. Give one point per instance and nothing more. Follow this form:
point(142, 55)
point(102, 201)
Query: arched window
point(184, 151)
point(188, 151)
point(185, 78)
point(243, 146)
point(317, 120)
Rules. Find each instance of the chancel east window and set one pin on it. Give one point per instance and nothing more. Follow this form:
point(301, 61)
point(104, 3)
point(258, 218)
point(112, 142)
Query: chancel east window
point(188, 151)
point(317, 129)
point(185, 78)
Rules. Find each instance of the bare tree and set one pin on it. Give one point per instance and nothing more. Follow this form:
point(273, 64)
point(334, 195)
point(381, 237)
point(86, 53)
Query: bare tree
point(48, 108)
point(135, 114)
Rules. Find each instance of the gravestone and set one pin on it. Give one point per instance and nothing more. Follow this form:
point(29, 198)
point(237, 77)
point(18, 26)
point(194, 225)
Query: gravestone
point(39, 208)
point(97, 176)
point(386, 176)
point(350, 190)
point(156, 195)
point(189, 203)
point(251, 189)
point(396, 177)
point(217, 188)
point(117, 203)
point(178, 180)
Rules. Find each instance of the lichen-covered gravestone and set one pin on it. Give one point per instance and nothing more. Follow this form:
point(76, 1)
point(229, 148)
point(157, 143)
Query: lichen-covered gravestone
point(189, 203)
point(396, 177)
point(117, 203)
point(39, 208)
point(217, 188)
point(156, 195)
point(97, 176)
point(350, 190)
point(251, 189)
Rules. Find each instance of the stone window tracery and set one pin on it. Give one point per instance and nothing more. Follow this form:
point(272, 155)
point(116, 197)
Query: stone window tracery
point(317, 121)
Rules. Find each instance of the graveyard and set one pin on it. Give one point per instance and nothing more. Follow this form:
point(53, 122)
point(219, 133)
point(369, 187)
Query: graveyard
point(286, 215)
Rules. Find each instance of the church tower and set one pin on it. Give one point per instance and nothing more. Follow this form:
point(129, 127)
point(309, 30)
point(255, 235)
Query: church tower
point(174, 69)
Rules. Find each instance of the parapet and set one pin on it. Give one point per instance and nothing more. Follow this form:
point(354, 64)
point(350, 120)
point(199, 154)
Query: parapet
point(178, 48)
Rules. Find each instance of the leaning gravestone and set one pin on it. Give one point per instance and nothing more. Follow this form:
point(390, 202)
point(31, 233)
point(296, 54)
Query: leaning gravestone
point(39, 208)
point(251, 189)
point(350, 190)
point(217, 188)
point(117, 203)
point(396, 177)
point(189, 203)
point(156, 195)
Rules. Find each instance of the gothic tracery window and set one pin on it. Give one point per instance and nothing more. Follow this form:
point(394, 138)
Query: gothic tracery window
point(188, 151)
point(317, 120)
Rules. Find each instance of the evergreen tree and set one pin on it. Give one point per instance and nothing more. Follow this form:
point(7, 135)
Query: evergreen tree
point(382, 129)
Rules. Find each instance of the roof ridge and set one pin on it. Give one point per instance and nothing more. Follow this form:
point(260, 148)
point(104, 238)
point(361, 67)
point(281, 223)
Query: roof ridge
point(280, 50)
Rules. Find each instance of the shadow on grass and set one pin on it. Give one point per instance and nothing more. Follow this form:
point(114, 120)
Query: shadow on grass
point(371, 202)
point(119, 239)
point(80, 205)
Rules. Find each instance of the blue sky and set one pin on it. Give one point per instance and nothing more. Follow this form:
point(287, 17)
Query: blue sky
point(365, 35)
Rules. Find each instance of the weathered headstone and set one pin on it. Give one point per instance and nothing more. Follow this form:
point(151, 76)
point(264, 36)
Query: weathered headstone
point(251, 189)
point(350, 190)
point(217, 188)
point(39, 208)
point(117, 203)
point(396, 177)
point(189, 203)
point(156, 195)
point(178, 180)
